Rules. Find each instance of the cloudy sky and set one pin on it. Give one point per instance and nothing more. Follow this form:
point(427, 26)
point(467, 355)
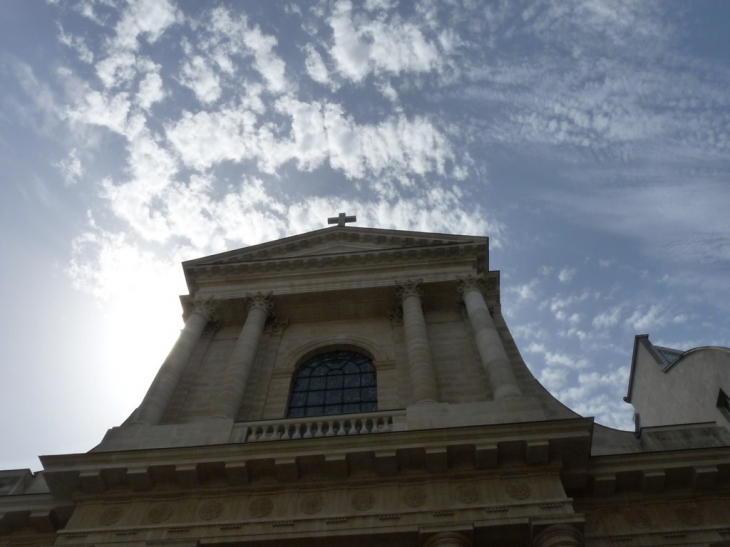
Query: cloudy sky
point(590, 140)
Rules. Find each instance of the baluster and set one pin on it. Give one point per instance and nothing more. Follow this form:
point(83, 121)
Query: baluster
point(297, 434)
point(308, 426)
point(330, 429)
point(389, 424)
point(318, 432)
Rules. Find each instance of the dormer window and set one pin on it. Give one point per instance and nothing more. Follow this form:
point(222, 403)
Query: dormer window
point(335, 382)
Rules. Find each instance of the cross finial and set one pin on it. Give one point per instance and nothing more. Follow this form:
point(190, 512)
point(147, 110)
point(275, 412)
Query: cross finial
point(341, 219)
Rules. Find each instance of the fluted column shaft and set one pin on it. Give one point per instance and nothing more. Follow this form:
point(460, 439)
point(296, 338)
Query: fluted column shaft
point(420, 361)
point(559, 535)
point(241, 362)
point(163, 387)
point(491, 350)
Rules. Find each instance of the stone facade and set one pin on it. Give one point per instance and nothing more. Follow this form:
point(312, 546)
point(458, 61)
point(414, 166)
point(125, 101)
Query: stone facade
point(465, 446)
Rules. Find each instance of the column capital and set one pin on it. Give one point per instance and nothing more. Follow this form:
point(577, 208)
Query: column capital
point(204, 306)
point(469, 282)
point(409, 287)
point(261, 301)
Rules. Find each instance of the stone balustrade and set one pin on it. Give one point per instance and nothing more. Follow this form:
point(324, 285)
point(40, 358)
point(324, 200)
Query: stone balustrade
point(312, 427)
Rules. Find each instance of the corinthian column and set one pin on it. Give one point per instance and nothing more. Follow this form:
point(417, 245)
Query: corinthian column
point(240, 363)
point(420, 362)
point(162, 388)
point(491, 350)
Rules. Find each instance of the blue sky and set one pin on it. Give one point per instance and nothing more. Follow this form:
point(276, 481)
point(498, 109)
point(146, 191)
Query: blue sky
point(590, 140)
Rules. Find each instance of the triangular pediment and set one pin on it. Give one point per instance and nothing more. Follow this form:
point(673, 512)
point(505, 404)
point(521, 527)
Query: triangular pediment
point(333, 242)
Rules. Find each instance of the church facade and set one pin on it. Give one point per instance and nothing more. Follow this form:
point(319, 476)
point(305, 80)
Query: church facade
point(354, 386)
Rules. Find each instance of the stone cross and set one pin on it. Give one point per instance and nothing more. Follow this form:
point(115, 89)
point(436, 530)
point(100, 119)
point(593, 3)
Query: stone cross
point(341, 219)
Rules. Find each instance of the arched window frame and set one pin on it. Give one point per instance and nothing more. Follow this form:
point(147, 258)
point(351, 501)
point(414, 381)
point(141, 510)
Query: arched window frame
point(325, 384)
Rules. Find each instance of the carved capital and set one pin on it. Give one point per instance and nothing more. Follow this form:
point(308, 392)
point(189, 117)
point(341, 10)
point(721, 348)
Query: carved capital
point(260, 301)
point(410, 287)
point(205, 307)
point(470, 282)
point(277, 325)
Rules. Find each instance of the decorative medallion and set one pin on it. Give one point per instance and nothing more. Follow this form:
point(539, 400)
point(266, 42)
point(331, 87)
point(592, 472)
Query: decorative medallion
point(363, 500)
point(159, 512)
point(311, 504)
point(111, 514)
point(689, 514)
point(467, 493)
point(210, 509)
point(518, 490)
point(414, 497)
point(638, 518)
point(260, 507)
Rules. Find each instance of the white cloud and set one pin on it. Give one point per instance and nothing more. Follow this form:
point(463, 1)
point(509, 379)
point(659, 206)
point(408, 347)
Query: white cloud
point(199, 76)
point(105, 110)
point(76, 43)
point(150, 91)
point(375, 46)
point(554, 359)
point(525, 291)
point(316, 68)
point(71, 167)
point(566, 275)
point(646, 318)
point(144, 17)
point(608, 318)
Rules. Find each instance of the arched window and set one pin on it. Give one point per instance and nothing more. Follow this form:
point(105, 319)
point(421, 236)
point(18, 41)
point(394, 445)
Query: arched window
point(335, 382)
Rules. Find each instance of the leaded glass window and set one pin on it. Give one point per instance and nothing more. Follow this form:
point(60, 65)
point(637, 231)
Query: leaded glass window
point(335, 382)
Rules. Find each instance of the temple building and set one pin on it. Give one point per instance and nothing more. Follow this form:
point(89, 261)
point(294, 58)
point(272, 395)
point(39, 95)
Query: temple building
point(356, 386)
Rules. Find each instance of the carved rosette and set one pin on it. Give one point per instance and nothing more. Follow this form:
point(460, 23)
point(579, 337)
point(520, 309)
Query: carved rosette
point(469, 282)
point(111, 514)
point(638, 518)
point(414, 497)
point(467, 493)
point(210, 510)
point(159, 512)
point(311, 504)
point(205, 307)
point(260, 507)
point(363, 500)
point(518, 490)
point(410, 287)
point(260, 301)
point(689, 514)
